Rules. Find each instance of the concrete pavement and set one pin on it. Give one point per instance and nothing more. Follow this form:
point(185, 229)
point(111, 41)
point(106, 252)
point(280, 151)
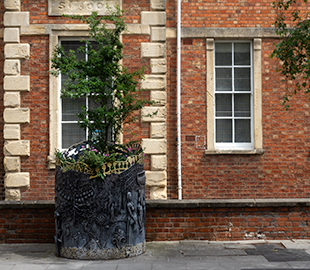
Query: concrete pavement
point(183, 255)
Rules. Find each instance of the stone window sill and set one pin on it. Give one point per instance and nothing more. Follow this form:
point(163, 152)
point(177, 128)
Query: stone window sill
point(234, 152)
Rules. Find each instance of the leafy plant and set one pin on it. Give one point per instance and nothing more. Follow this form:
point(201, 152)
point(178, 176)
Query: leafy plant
point(294, 49)
point(85, 158)
point(110, 87)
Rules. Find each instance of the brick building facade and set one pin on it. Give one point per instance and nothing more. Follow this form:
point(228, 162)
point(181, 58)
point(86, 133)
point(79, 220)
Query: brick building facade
point(237, 141)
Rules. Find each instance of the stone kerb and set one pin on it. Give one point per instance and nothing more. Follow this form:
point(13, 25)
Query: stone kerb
point(13, 115)
point(156, 83)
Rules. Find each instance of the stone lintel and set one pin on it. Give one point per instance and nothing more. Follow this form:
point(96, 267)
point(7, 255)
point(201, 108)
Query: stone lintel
point(17, 83)
point(229, 33)
point(17, 148)
point(137, 29)
point(154, 146)
point(16, 115)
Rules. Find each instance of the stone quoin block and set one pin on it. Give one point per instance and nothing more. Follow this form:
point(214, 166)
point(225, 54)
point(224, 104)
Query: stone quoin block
point(154, 82)
point(158, 130)
point(158, 34)
point(11, 99)
point(158, 193)
point(17, 83)
point(156, 50)
point(13, 5)
point(11, 132)
point(16, 115)
point(153, 114)
point(17, 148)
point(153, 17)
point(158, 162)
point(11, 164)
point(11, 67)
point(16, 19)
point(154, 146)
point(12, 194)
point(11, 35)
point(17, 51)
point(158, 65)
point(159, 96)
point(156, 179)
point(17, 180)
point(158, 4)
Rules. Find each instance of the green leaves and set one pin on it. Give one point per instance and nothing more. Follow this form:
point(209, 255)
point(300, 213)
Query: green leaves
point(111, 88)
point(294, 50)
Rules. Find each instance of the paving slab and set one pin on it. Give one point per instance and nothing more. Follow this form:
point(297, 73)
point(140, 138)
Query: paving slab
point(274, 253)
point(184, 255)
point(296, 245)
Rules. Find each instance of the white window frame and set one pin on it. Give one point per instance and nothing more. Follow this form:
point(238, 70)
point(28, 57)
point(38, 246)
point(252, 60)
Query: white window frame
point(234, 145)
point(256, 146)
point(60, 121)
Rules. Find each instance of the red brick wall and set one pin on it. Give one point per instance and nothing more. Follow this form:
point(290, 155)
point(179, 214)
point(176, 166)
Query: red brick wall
point(37, 131)
point(281, 172)
point(227, 224)
point(35, 223)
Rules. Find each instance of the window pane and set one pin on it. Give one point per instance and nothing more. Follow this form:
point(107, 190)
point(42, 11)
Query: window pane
point(242, 106)
point(223, 130)
point(223, 79)
point(242, 54)
point(223, 105)
point(71, 107)
point(223, 54)
point(73, 45)
point(242, 130)
point(71, 134)
point(242, 79)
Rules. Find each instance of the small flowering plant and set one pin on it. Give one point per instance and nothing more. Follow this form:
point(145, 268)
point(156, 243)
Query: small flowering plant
point(85, 157)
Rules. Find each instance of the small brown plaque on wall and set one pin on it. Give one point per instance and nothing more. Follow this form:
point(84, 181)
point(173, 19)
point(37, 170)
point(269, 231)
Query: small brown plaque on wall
point(80, 7)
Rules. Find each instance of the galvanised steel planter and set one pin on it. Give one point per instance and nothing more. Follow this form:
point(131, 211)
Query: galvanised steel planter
point(100, 218)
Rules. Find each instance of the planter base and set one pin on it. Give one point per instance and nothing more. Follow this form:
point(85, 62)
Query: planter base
point(98, 218)
point(103, 254)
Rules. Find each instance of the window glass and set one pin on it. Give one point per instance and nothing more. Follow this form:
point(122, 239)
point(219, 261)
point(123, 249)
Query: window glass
point(233, 94)
point(223, 54)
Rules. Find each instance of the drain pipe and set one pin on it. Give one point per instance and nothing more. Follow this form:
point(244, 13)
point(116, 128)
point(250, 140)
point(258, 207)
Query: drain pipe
point(179, 100)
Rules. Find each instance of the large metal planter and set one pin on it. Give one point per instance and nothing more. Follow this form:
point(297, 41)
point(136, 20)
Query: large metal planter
point(100, 218)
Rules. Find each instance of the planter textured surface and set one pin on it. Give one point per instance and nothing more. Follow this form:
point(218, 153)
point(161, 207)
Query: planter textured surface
point(100, 218)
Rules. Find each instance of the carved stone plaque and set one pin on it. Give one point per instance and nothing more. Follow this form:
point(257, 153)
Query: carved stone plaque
point(80, 7)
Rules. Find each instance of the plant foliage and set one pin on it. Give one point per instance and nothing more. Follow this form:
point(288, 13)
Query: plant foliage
point(294, 49)
point(102, 78)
